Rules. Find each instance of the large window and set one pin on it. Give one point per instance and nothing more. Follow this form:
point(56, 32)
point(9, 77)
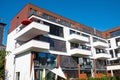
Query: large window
point(57, 45)
point(85, 63)
point(55, 30)
point(68, 62)
point(115, 33)
point(101, 64)
point(45, 59)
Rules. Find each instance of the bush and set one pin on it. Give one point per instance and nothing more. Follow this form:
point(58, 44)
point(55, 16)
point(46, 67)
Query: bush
point(103, 78)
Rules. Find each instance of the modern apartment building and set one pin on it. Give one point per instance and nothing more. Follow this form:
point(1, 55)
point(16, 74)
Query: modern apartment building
point(39, 39)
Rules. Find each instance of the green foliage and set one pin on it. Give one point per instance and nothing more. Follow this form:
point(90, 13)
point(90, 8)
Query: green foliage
point(2, 59)
point(103, 78)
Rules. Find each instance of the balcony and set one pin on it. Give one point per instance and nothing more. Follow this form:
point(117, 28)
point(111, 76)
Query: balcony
point(32, 45)
point(102, 56)
point(100, 44)
point(77, 38)
point(80, 52)
point(31, 30)
point(114, 67)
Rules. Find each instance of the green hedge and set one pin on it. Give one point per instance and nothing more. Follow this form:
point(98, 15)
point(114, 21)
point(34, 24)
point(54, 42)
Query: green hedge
point(103, 78)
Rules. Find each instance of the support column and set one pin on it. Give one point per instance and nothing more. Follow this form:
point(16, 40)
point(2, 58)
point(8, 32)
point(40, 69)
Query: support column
point(58, 60)
point(114, 53)
point(112, 73)
point(94, 61)
point(31, 62)
point(106, 68)
point(78, 71)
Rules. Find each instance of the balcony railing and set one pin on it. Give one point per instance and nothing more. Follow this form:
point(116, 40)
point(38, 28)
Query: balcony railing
point(99, 44)
point(31, 30)
point(32, 45)
point(80, 52)
point(85, 66)
point(60, 21)
point(113, 66)
point(77, 38)
point(47, 65)
point(103, 56)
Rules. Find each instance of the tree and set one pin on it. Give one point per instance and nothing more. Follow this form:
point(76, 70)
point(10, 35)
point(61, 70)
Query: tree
point(2, 59)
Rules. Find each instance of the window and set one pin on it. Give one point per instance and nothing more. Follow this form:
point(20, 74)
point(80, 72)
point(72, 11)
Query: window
point(17, 75)
point(74, 45)
point(32, 11)
point(100, 51)
point(55, 30)
point(117, 51)
point(109, 43)
point(72, 32)
point(68, 61)
point(117, 40)
point(85, 63)
point(100, 64)
point(95, 39)
point(111, 53)
point(115, 33)
point(85, 35)
point(78, 33)
point(45, 59)
point(55, 44)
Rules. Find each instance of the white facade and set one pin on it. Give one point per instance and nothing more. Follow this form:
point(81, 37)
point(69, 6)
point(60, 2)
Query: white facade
point(21, 43)
point(115, 53)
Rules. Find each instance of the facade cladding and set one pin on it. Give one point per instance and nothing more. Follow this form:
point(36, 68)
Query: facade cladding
point(49, 41)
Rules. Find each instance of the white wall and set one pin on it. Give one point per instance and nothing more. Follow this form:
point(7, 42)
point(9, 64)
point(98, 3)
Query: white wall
point(15, 64)
point(10, 58)
point(9, 70)
point(11, 41)
point(22, 65)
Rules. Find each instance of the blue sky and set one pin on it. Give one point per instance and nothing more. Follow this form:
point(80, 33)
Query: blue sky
point(99, 14)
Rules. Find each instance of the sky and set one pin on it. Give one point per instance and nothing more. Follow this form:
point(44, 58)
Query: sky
point(99, 14)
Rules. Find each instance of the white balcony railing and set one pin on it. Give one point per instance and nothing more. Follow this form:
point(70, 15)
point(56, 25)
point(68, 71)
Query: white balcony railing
point(103, 56)
point(32, 45)
point(31, 30)
point(99, 44)
point(80, 52)
point(113, 67)
point(77, 38)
